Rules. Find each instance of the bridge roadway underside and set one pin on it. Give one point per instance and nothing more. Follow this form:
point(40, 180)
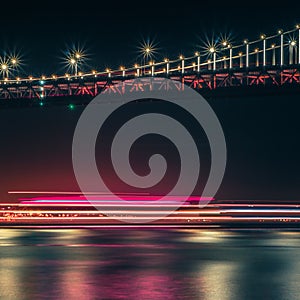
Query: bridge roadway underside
point(241, 92)
point(80, 91)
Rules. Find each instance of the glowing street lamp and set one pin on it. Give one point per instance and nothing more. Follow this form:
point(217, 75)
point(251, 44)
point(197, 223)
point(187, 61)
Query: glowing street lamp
point(166, 60)
point(123, 70)
point(4, 69)
point(280, 32)
point(263, 37)
point(74, 58)
point(8, 64)
point(273, 46)
point(230, 55)
point(73, 62)
point(182, 63)
point(225, 43)
point(77, 55)
point(213, 51)
point(197, 54)
point(246, 42)
point(257, 56)
point(241, 59)
point(298, 27)
point(292, 47)
point(14, 61)
point(147, 50)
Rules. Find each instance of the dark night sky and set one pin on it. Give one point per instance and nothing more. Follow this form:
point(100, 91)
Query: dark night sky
point(36, 144)
point(112, 30)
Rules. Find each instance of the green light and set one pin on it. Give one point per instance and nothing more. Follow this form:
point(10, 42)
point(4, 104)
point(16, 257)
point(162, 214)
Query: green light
point(41, 103)
point(71, 106)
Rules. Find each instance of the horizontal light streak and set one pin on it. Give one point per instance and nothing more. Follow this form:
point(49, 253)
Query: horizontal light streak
point(106, 197)
point(70, 193)
point(261, 211)
point(123, 217)
point(106, 211)
point(196, 218)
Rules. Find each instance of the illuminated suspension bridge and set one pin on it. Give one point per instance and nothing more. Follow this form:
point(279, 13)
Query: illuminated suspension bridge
point(272, 60)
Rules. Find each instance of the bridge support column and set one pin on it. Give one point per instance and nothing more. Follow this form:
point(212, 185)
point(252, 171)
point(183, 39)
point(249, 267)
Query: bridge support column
point(230, 58)
point(264, 52)
point(257, 57)
point(215, 58)
point(241, 59)
point(291, 54)
point(225, 62)
point(152, 69)
point(281, 48)
point(247, 55)
point(298, 26)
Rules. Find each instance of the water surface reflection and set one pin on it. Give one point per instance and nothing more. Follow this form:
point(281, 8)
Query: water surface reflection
point(149, 264)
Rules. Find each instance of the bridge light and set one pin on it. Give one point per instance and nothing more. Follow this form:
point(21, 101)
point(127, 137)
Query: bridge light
point(14, 61)
point(78, 55)
point(246, 41)
point(72, 61)
point(122, 68)
point(4, 67)
point(298, 26)
point(224, 43)
point(212, 49)
point(197, 53)
point(280, 31)
point(293, 43)
point(263, 36)
point(43, 77)
point(166, 60)
point(240, 53)
point(181, 57)
point(273, 46)
point(30, 78)
point(147, 49)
